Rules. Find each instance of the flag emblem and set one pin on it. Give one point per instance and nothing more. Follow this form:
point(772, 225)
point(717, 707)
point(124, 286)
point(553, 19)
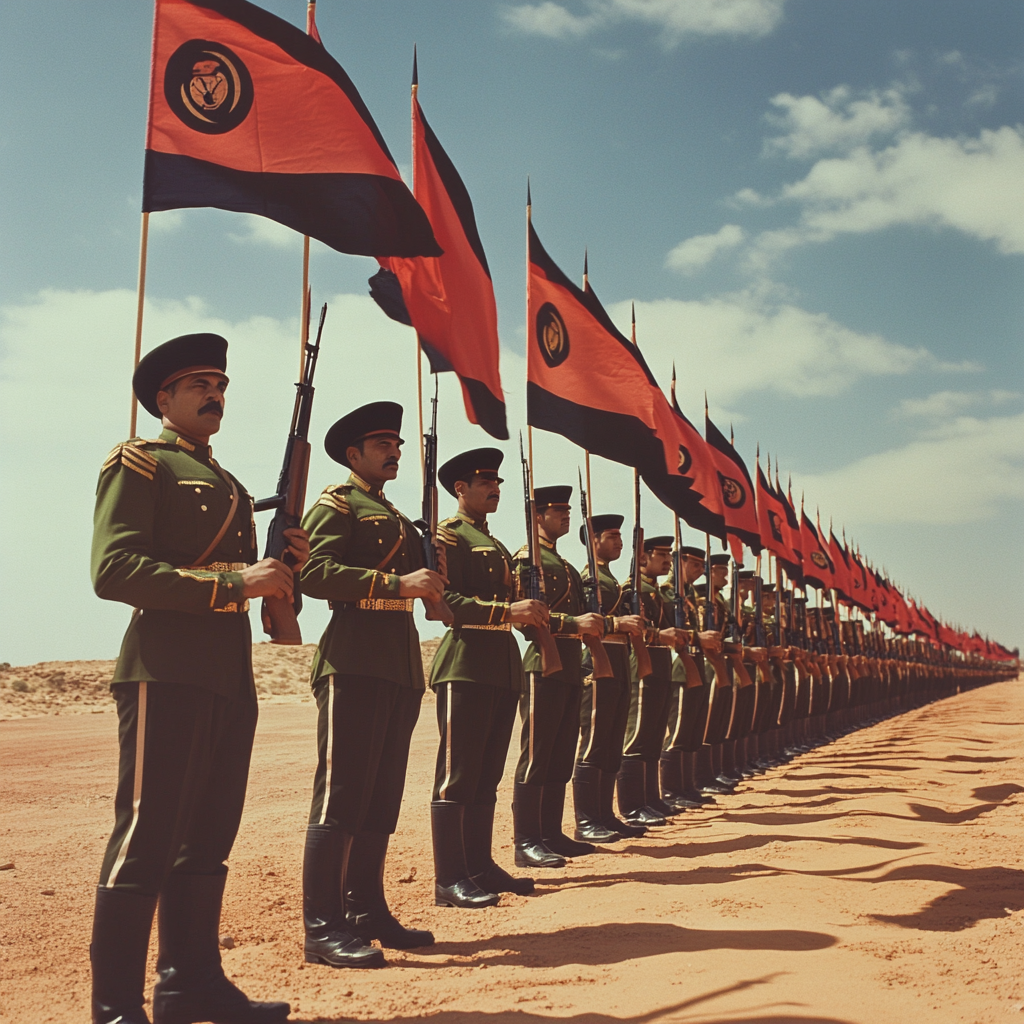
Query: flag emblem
point(819, 560)
point(776, 525)
point(734, 494)
point(552, 335)
point(208, 87)
point(685, 460)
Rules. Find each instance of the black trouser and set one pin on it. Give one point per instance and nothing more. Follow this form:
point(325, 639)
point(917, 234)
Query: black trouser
point(743, 712)
point(475, 724)
point(648, 713)
point(363, 729)
point(604, 712)
point(719, 713)
point(184, 764)
point(550, 713)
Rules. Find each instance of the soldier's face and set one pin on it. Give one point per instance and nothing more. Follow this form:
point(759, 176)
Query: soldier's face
point(195, 406)
point(719, 576)
point(479, 497)
point(609, 545)
point(377, 459)
point(693, 568)
point(554, 521)
point(657, 562)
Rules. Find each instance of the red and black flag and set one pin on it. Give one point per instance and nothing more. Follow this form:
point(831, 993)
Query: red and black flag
point(841, 578)
point(773, 527)
point(817, 564)
point(449, 299)
point(585, 379)
point(249, 113)
point(736, 488)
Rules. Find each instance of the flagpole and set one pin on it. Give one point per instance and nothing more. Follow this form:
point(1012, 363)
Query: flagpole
point(529, 428)
point(143, 252)
point(419, 347)
point(304, 307)
point(586, 451)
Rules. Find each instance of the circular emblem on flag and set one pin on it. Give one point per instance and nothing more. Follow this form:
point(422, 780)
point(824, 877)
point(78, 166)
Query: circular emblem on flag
point(819, 559)
point(734, 494)
point(552, 335)
point(685, 460)
point(776, 525)
point(208, 87)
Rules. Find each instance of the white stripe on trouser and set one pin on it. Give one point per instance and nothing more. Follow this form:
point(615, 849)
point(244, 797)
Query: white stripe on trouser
point(329, 759)
point(593, 720)
point(679, 720)
point(529, 761)
point(140, 759)
point(448, 743)
point(639, 715)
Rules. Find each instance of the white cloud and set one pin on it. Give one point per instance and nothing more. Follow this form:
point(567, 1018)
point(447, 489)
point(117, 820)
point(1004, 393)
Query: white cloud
point(263, 231)
point(738, 344)
point(962, 471)
point(675, 18)
point(838, 121)
point(943, 404)
point(696, 252)
point(165, 222)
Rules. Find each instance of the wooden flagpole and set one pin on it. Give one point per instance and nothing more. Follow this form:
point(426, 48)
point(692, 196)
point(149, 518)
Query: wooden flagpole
point(586, 451)
point(419, 347)
point(143, 251)
point(304, 305)
point(529, 428)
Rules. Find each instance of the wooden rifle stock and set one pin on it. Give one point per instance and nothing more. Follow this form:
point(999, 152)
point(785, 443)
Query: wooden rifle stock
point(599, 656)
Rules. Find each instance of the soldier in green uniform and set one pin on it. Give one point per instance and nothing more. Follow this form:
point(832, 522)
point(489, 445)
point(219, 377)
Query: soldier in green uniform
point(719, 677)
point(550, 705)
point(365, 559)
point(174, 539)
point(477, 676)
point(604, 707)
point(639, 787)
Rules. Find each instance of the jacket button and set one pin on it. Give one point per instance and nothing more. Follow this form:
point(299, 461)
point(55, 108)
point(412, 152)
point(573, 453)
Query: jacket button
point(203, 507)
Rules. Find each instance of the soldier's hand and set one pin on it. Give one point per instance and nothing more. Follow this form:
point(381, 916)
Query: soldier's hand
point(421, 583)
point(710, 641)
point(529, 613)
point(778, 652)
point(673, 637)
point(267, 578)
point(631, 624)
point(298, 545)
point(590, 623)
point(759, 655)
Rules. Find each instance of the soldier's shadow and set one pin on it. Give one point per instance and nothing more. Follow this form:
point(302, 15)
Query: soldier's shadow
point(694, 850)
point(617, 942)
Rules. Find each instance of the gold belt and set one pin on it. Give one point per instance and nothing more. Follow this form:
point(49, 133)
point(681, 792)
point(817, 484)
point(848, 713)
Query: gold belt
point(616, 638)
point(219, 567)
point(505, 627)
point(386, 604)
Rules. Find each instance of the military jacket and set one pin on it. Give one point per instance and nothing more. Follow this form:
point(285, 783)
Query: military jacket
point(657, 615)
point(616, 644)
point(360, 545)
point(159, 504)
point(690, 605)
point(562, 588)
point(479, 648)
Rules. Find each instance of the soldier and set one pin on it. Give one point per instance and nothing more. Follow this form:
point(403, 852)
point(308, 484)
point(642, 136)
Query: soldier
point(604, 708)
point(478, 677)
point(719, 675)
point(550, 705)
point(367, 677)
point(174, 538)
point(639, 788)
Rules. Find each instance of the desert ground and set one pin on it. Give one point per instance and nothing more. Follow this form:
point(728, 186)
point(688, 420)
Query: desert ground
point(876, 880)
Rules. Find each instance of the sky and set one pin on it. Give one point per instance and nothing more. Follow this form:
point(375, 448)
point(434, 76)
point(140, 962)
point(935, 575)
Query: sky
point(815, 205)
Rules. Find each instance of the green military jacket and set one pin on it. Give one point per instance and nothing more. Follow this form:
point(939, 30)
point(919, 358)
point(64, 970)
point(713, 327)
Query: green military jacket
point(159, 504)
point(479, 648)
point(657, 615)
point(690, 604)
point(562, 588)
point(360, 545)
point(615, 644)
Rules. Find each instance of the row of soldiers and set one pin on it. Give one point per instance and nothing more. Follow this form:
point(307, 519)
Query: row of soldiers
point(174, 538)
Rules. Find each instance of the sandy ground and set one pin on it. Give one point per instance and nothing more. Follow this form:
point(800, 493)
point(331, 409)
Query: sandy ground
point(876, 880)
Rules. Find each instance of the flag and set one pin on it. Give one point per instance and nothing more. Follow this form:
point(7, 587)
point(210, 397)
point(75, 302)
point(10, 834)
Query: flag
point(841, 580)
point(737, 491)
point(249, 113)
point(449, 299)
point(772, 525)
point(792, 530)
point(585, 379)
point(858, 581)
point(817, 565)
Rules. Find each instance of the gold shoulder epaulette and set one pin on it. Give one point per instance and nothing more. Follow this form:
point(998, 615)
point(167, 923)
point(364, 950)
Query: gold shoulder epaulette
point(333, 497)
point(133, 456)
point(522, 554)
point(450, 521)
point(446, 536)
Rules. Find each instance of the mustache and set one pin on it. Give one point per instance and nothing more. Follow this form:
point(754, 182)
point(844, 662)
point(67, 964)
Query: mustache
point(212, 406)
point(390, 461)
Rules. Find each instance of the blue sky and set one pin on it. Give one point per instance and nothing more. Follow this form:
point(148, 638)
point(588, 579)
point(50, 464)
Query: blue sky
point(816, 206)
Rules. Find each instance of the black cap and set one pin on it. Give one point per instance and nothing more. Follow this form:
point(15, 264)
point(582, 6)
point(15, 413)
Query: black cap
point(375, 418)
point(720, 559)
point(469, 464)
point(692, 552)
point(610, 521)
point(650, 543)
point(746, 574)
point(559, 494)
point(174, 359)
point(768, 588)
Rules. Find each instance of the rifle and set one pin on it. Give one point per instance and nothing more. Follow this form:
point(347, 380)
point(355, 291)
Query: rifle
point(688, 653)
point(592, 591)
point(643, 656)
point(530, 574)
point(760, 637)
point(280, 618)
point(436, 610)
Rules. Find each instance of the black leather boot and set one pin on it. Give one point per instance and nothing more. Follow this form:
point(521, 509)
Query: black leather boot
point(716, 782)
point(452, 885)
point(691, 772)
point(652, 789)
point(633, 795)
point(552, 810)
point(366, 906)
point(478, 836)
point(530, 849)
point(120, 940)
point(586, 798)
point(328, 937)
point(671, 774)
point(192, 985)
point(608, 819)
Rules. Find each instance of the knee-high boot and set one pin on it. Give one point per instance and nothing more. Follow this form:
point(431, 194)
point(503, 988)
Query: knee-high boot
point(120, 940)
point(453, 886)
